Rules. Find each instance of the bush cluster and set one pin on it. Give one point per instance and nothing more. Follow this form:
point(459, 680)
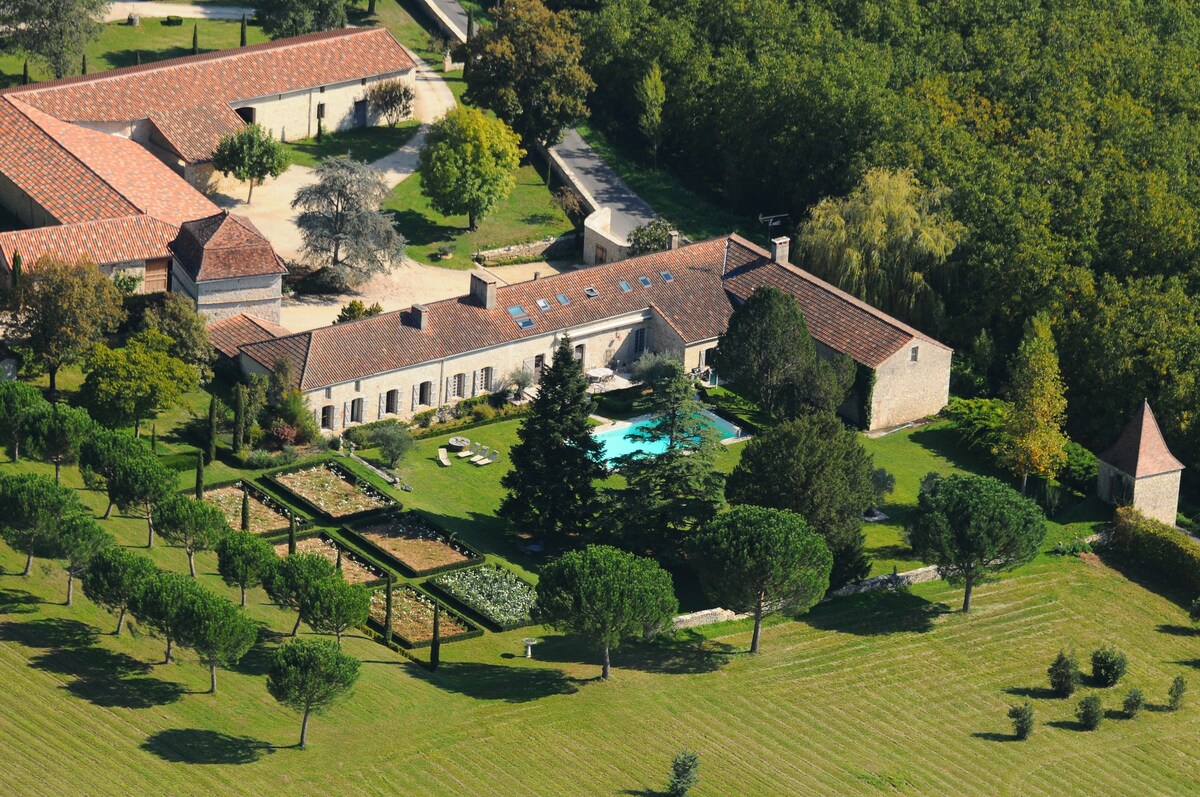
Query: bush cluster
point(1134, 702)
point(1108, 666)
point(1158, 547)
point(1022, 720)
point(1080, 471)
point(1175, 693)
point(1090, 712)
point(1064, 674)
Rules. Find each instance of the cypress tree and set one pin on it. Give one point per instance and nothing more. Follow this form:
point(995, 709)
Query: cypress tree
point(16, 271)
point(211, 454)
point(25, 74)
point(387, 620)
point(435, 649)
point(83, 65)
point(199, 476)
point(239, 418)
point(338, 564)
point(470, 25)
point(245, 509)
point(292, 534)
point(195, 39)
point(137, 57)
point(154, 437)
point(243, 44)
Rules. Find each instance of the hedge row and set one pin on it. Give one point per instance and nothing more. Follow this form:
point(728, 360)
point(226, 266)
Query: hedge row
point(451, 428)
point(1156, 545)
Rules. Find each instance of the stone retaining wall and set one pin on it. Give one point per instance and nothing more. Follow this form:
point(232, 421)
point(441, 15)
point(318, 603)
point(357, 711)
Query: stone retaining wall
point(564, 247)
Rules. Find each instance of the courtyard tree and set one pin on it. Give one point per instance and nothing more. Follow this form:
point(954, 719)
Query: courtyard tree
point(551, 487)
point(102, 453)
point(393, 98)
point(176, 317)
point(651, 96)
point(114, 580)
point(57, 31)
point(191, 525)
point(21, 405)
point(766, 352)
point(468, 164)
point(65, 308)
point(34, 507)
point(244, 560)
point(356, 309)
point(758, 560)
point(141, 482)
point(163, 605)
point(527, 68)
point(251, 154)
point(393, 441)
point(281, 19)
point(58, 432)
point(606, 596)
point(338, 606)
point(128, 385)
point(816, 467)
point(1034, 438)
point(80, 540)
point(294, 580)
point(653, 236)
point(971, 526)
point(341, 225)
point(309, 675)
point(218, 631)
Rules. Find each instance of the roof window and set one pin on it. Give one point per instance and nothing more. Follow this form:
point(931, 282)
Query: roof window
point(667, 276)
point(525, 322)
point(590, 292)
point(543, 305)
point(645, 281)
point(624, 286)
point(516, 311)
point(562, 299)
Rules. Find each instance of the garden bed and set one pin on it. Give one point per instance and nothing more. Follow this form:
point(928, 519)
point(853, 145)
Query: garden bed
point(354, 569)
point(412, 544)
point(412, 618)
point(501, 598)
point(266, 516)
point(331, 491)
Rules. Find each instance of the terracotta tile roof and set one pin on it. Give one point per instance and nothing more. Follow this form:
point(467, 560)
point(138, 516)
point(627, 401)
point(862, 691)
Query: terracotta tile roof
point(230, 333)
point(1140, 450)
point(224, 246)
point(696, 302)
point(105, 241)
point(193, 131)
point(154, 91)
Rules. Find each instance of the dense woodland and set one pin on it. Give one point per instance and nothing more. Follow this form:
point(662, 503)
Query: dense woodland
point(1061, 138)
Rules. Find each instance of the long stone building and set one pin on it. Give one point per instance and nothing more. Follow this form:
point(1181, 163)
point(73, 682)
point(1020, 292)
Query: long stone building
point(677, 302)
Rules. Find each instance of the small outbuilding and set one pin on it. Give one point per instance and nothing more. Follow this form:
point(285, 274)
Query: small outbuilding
point(1140, 471)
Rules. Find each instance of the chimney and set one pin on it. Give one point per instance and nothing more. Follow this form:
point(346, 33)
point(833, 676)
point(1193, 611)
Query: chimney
point(420, 316)
point(673, 239)
point(483, 289)
point(537, 275)
point(779, 249)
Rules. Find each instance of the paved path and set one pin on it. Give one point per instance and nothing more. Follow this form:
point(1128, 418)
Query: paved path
point(119, 12)
point(450, 16)
point(605, 186)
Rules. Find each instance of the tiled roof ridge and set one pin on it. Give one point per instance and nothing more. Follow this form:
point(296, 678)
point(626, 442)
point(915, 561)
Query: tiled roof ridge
point(838, 293)
point(667, 319)
point(25, 110)
point(91, 224)
point(184, 60)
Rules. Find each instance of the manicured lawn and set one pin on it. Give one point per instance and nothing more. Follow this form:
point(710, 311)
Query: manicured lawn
point(120, 44)
point(364, 144)
point(526, 215)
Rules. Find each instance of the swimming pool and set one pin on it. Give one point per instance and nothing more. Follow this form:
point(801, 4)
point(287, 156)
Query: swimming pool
point(617, 443)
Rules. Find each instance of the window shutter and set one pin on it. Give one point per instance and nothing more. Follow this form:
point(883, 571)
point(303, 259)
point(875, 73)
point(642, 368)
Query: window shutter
point(380, 406)
point(345, 412)
point(447, 394)
point(474, 382)
point(416, 396)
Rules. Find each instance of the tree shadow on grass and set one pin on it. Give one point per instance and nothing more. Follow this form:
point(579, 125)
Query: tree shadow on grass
point(107, 678)
point(995, 737)
point(645, 793)
point(1177, 630)
point(687, 653)
point(50, 632)
point(198, 746)
point(877, 613)
point(945, 442)
point(257, 660)
point(1193, 663)
point(1067, 725)
point(497, 682)
point(1152, 581)
point(1033, 692)
point(13, 601)
point(420, 230)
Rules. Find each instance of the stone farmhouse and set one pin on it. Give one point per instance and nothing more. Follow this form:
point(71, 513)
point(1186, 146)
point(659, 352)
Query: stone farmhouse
point(677, 301)
point(111, 166)
point(1139, 470)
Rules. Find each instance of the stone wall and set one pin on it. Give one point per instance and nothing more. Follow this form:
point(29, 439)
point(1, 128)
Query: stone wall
point(563, 247)
point(217, 299)
point(906, 390)
point(600, 243)
point(1157, 497)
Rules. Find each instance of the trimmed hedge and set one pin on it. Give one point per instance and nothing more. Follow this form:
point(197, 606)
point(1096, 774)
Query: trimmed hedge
point(451, 428)
point(347, 474)
point(1156, 545)
point(473, 631)
point(474, 557)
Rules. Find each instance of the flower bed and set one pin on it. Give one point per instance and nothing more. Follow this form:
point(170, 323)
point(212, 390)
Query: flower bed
point(354, 570)
point(266, 517)
point(501, 597)
point(412, 618)
point(411, 543)
point(331, 491)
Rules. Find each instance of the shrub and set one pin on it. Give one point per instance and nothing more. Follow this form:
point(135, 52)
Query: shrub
point(1134, 701)
point(1158, 547)
point(684, 773)
point(1022, 719)
point(282, 434)
point(1108, 665)
point(259, 459)
point(1071, 548)
point(1080, 471)
point(1194, 611)
point(482, 412)
point(1090, 712)
point(425, 418)
point(1064, 674)
point(979, 421)
point(1175, 693)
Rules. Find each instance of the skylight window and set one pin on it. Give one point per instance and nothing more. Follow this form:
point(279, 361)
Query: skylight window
point(516, 311)
point(543, 305)
point(562, 299)
point(667, 276)
point(624, 286)
point(590, 292)
point(525, 322)
point(645, 281)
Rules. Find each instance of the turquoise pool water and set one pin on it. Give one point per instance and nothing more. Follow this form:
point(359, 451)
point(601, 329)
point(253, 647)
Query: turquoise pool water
point(618, 444)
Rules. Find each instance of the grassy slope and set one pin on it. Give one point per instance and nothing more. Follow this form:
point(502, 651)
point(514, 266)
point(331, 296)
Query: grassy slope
point(119, 44)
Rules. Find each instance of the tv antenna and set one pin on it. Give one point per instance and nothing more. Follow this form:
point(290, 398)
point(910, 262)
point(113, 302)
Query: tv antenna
point(772, 222)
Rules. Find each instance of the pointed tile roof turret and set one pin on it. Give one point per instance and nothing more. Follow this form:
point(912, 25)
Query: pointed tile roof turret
point(1140, 450)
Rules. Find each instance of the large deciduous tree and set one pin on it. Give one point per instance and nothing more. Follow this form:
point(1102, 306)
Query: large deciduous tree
point(21, 406)
point(33, 508)
point(192, 525)
point(527, 68)
point(309, 675)
point(251, 154)
point(58, 432)
point(65, 309)
point(341, 225)
point(651, 96)
point(55, 30)
point(758, 560)
point(218, 631)
point(281, 19)
point(114, 580)
point(971, 526)
point(176, 317)
point(468, 164)
point(551, 490)
point(606, 596)
point(816, 467)
point(653, 236)
point(393, 98)
point(244, 560)
point(135, 383)
point(1034, 438)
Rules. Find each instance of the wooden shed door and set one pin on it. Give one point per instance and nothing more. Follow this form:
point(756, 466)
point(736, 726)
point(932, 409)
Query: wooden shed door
point(157, 275)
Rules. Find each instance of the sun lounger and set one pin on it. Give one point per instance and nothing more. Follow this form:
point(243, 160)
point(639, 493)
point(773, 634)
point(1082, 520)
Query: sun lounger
point(484, 454)
point(443, 458)
point(495, 455)
point(469, 452)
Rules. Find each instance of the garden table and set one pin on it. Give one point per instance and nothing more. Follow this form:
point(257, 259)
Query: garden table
point(458, 443)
